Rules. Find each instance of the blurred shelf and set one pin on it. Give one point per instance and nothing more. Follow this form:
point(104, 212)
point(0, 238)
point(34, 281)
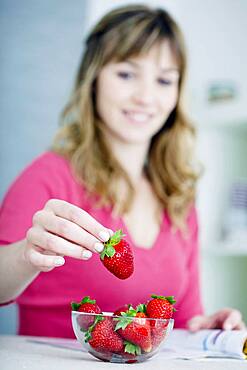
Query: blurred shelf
point(240, 125)
point(217, 115)
point(216, 118)
point(219, 250)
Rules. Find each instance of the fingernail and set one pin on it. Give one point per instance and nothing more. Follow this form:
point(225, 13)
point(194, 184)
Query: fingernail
point(86, 254)
point(104, 235)
point(98, 247)
point(59, 261)
point(111, 232)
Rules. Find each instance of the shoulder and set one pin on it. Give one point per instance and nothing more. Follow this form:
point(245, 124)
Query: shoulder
point(48, 161)
point(48, 167)
point(49, 174)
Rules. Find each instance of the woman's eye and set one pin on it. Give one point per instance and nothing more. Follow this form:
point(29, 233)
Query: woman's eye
point(164, 81)
point(125, 75)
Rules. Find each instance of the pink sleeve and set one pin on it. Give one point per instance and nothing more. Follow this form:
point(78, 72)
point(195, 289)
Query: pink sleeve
point(28, 194)
point(191, 303)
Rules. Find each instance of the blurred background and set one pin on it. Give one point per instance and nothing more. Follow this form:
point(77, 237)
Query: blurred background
point(41, 46)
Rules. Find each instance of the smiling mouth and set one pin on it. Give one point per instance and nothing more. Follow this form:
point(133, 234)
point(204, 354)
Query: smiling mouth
point(138, 117)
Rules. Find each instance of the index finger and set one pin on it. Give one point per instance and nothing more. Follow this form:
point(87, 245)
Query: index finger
point(69, 211)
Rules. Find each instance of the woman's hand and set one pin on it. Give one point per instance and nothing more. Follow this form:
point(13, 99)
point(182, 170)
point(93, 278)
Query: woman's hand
point(227, 319)
point(62, 229)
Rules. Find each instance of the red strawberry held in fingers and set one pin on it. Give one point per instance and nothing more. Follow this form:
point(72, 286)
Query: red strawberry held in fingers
point(137, 331)
point(102, 337)
point(160, 307)
point(117, 256)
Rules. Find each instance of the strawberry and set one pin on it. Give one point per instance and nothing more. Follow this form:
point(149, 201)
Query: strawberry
point(117, 256)
point(160, 307)
point(158, 331)
point(87, 305)
point(124, 308)
point(136, 331)
point(102, 337)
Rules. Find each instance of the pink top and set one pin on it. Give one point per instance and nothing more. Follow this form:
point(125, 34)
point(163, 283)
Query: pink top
point(170, 267)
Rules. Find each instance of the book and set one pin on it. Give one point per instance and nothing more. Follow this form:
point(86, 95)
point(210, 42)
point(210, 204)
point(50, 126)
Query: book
point(208, 343)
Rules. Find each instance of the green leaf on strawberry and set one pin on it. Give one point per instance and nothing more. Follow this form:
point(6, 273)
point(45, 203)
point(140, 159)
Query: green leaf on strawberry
point(131, 348)
point(115, 238)
point(109, 249)
point(168, 298)
point(141, 308)
point(125, 319)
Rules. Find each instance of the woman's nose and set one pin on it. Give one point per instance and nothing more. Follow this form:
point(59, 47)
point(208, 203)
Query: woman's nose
point(144, 93)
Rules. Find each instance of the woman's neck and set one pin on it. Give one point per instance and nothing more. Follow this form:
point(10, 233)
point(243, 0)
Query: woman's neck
point(132, 158)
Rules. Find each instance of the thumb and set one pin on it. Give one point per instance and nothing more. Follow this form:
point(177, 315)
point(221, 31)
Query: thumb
point(233, 320)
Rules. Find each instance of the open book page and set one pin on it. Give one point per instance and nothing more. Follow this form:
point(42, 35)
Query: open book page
point(207, 343)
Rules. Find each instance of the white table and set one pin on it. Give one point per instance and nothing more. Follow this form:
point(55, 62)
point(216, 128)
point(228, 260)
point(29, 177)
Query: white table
point(23, 353)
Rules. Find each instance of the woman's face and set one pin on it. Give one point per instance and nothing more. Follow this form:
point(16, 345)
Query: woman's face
point(135, 97)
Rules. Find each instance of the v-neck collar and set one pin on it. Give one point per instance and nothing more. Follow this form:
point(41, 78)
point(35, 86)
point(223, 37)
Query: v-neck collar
point(122, 225)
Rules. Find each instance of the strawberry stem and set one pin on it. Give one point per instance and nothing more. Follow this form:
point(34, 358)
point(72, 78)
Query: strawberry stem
point(168, 298)
point(75, 306)
point(109, 249)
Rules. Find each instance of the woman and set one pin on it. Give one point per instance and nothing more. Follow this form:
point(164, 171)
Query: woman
point(122, 160)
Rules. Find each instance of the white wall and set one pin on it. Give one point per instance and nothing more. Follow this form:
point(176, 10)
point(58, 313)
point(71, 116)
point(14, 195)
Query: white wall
point(41, 42)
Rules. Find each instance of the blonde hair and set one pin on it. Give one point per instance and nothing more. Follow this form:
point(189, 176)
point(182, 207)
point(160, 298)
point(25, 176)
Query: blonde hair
point(124, 32)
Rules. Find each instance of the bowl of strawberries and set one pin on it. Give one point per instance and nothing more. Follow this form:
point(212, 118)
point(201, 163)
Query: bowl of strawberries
point(127, 335)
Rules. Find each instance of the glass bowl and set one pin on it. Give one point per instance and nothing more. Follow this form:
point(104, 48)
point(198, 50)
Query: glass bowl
point(111, 339)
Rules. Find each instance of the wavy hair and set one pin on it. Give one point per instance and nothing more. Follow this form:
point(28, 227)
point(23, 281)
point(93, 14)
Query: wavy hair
point(124, 32)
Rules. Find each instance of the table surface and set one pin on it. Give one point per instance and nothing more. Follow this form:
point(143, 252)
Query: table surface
point(23, 353)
